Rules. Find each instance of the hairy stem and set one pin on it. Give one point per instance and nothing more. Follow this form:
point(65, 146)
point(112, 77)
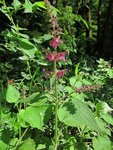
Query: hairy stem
point(56, 107)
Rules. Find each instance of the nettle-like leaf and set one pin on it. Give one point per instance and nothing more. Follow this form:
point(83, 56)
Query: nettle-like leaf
point(28, 144)
point(102, 143)
point(36, 116)
point(76, 113)
point(12, 94)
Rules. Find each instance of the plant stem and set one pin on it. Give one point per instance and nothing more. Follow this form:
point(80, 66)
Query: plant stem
point(1, 86)
point(56, 126)
point(29, 69)
point(32, 80)
point(56, 108)
point(20, 131)
point(21, 138)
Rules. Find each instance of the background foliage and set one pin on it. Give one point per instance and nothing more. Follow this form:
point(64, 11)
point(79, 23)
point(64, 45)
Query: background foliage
point(27, 103)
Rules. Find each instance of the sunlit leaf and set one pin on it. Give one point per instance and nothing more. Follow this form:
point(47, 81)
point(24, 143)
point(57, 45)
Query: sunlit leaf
point(102, 143)
point(35, 116)
point(28, 6)
point(108, 118)
point(76, 113)
point(29, 144)
point(32, 116)
point(77, 69)
point(27, 47)
point(12, 94)
point(47, 37)
point(102, 126)
point(3, 146)
point(41, 4)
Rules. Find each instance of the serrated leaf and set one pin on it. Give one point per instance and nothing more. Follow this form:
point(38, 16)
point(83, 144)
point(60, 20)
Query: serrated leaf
point(12, 94)
point(76, 113)
point(28, 144)
point(32, 116)
point(35, 116)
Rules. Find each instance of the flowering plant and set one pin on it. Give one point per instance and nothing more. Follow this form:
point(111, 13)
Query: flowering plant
point(54, 57)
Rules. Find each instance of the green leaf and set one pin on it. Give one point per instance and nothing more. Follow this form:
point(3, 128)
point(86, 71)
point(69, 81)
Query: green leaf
point(45, 111)
point(102, 126)
point(72, 81)
point(76, 113)
point(102, 108)
point(12, 94)
point(41, 146)
point(13, 142)
point(32, 116)
point(35, 116)
point(108, 118)
point(86, 82)
point(81, 146)
point(47, 37)
point(28, 6)
point(110, 73)
point(102, 143)
point(33, 96)
point(16, 4)
point(77, 69)
point(27, 47)
point(3, 146)
point(28, 144)
point(41, 4)
point(75, 83)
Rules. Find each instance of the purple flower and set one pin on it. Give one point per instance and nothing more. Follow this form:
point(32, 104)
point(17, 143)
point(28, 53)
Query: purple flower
point(60, 73)
point(56, 56)
point(60, 56)
point(50, 56)
point(56, 42)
